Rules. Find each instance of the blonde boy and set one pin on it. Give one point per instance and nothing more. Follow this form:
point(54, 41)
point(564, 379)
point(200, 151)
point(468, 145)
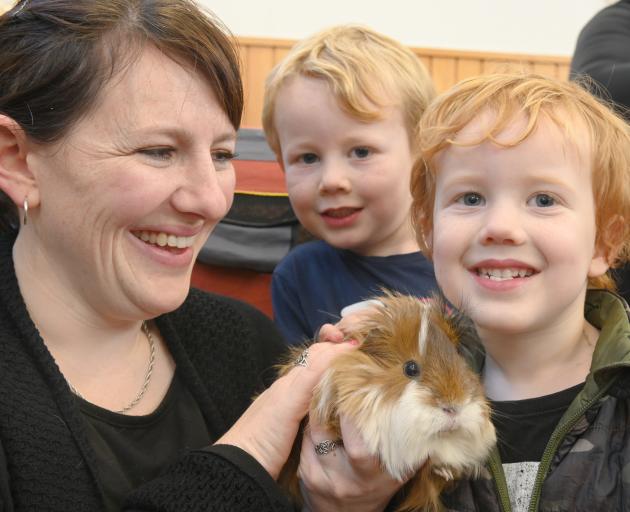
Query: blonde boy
point(522, 199)
point(341, 112)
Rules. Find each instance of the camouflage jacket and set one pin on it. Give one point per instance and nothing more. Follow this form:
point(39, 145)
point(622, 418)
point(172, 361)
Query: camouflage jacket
point(586, 464)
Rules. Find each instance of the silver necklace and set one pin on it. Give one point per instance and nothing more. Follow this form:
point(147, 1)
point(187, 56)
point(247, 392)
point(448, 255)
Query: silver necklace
point(147, 377)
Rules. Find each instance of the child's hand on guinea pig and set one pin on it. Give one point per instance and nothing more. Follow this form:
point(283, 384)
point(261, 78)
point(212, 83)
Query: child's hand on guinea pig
point(348, 478)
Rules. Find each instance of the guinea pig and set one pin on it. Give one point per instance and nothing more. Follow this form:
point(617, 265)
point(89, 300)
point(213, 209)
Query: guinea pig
point(418, 406)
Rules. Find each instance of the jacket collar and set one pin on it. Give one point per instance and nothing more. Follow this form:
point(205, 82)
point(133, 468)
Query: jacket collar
point(609, 313)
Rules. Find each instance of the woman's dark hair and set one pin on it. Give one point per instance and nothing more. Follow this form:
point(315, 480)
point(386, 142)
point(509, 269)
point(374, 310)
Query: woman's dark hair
point(56, 56)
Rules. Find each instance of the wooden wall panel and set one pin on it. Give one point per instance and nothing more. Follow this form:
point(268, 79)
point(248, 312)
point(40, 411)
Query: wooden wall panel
point(444, 72)
point(467, 68)
point(563, 70)
point(546, 69)
point(447, 67)
point(427, 61)
point(260, 60)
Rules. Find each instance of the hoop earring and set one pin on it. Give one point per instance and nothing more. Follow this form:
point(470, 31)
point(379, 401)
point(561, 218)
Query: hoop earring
point(25, 210)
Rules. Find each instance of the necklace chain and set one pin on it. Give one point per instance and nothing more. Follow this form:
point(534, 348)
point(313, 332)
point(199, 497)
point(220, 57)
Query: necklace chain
point(147, 377)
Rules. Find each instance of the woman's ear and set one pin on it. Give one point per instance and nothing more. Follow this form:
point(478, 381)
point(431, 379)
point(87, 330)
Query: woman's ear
point(16, 178)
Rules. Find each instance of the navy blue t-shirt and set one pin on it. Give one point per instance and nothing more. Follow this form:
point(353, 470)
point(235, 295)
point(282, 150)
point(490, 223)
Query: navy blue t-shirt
point(315, 281)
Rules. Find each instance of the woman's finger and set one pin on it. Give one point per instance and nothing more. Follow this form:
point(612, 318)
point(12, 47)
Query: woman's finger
point(330, 333)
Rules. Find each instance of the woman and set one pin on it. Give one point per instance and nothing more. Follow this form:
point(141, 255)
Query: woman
point(118, 122)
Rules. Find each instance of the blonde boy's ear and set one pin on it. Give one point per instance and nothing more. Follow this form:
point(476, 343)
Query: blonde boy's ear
point(608, 247)
point(16, 178)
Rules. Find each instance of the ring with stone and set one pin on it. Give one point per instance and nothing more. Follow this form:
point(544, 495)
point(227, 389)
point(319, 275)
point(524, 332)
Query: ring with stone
point(302, 360)
point(327, 446)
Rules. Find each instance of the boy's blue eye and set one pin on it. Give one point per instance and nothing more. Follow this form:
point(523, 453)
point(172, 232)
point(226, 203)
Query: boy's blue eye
point(361, 152)
point(544, 200)
point(471, 199)
point(309, 158)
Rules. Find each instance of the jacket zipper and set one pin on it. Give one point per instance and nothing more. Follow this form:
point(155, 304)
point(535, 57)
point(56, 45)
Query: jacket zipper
point(496, 468)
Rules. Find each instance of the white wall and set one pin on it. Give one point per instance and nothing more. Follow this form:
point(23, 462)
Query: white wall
point(547, 27)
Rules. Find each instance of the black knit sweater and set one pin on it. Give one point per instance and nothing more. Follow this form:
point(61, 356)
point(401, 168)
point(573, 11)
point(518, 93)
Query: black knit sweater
point(223, 350)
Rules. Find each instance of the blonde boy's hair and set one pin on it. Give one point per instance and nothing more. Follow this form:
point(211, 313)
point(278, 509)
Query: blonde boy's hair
point(365, 70)
point(574, 110)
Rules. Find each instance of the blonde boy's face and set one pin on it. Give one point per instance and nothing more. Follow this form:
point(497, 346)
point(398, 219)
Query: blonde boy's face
point(348, 180)
point(514, 229)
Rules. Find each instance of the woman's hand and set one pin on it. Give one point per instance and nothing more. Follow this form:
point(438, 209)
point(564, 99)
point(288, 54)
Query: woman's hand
point(348, 478)
point(351, 318)
point(267, 429)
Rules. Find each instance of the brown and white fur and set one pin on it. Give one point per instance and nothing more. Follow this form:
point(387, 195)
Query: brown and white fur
point(434, 425)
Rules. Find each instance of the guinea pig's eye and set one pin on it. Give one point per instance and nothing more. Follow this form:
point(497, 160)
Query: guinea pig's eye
point(411, 369)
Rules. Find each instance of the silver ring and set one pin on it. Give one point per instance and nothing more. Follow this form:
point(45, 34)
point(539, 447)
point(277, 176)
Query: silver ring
point(302, 360)
point(327, 446)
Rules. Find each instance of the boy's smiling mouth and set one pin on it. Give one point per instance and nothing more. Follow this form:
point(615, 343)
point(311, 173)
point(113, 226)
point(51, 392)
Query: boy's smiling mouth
point(503, 274)
point(340, 213)
point(502, 270)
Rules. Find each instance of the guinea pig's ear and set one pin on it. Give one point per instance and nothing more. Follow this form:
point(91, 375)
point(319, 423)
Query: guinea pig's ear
point(16, 178)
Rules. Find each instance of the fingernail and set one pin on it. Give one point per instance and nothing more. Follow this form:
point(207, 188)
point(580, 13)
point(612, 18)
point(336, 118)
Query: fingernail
point(353, 342)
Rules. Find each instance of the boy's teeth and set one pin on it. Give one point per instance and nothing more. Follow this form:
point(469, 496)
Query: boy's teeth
point(502, 274)
point(164, 240)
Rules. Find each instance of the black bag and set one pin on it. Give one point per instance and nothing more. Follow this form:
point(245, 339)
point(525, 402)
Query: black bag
point(258, 231)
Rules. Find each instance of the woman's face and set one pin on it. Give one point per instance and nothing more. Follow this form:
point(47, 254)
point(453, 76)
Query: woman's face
point(128, 198)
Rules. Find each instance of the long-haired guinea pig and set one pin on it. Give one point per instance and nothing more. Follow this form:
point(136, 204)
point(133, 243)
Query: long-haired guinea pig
point(415, 401)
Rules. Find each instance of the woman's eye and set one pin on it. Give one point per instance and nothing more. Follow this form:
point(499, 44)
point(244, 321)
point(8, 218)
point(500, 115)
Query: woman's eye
point(361, 152)
point(223, 156)
point(544, 200)
point(162, 153)
point(308, 158)
point(470, 199)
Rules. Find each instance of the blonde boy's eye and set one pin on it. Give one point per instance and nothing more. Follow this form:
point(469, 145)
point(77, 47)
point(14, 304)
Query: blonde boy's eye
point(544, 200)
point(308, 158)
point(471, 199)
point(361, 152)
